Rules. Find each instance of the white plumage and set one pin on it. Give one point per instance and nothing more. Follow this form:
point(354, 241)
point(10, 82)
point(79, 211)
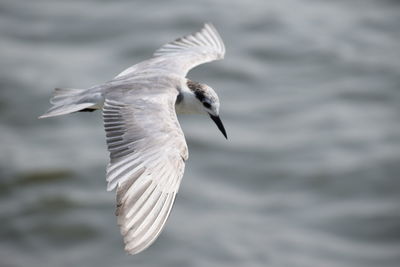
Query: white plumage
point(146, 144)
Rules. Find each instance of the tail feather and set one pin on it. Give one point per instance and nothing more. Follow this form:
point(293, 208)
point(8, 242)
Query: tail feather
point(66, 101)
point(62, 110)
point(62, 94)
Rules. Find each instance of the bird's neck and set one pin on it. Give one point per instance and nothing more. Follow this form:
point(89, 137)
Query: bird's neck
point(187, 103)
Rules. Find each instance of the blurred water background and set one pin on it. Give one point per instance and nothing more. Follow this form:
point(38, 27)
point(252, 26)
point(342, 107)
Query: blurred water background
point(310, 93)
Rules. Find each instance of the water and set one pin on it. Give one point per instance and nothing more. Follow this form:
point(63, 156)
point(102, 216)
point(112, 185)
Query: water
point(310, 99)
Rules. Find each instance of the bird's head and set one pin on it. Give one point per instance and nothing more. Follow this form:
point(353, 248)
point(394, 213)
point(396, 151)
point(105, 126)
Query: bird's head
point(206, 102)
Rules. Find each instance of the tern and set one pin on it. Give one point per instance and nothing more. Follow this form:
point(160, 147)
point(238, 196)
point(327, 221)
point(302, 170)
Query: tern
point(146, 144)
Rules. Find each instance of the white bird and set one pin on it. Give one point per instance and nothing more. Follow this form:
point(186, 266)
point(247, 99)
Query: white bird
point(146, 143)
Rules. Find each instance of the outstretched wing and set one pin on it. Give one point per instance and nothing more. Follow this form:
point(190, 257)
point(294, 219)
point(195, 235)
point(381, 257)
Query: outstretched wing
point(184, 53)
point(148, 152)
point(192, 50)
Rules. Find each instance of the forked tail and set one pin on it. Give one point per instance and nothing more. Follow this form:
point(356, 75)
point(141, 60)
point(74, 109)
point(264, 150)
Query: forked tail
point(66, 101)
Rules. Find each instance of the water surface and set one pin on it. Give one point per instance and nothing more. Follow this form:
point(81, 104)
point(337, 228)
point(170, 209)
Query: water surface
point(310, 99)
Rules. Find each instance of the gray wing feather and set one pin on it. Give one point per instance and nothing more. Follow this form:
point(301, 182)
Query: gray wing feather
point(192, 50)
point(205, 45)
point(148, 152)
point(184, 53)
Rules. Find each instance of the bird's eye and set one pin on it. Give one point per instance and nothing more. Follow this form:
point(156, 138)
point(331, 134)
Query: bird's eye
point(207, 105)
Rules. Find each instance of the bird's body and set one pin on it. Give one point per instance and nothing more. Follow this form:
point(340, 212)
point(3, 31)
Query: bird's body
point(146, 144)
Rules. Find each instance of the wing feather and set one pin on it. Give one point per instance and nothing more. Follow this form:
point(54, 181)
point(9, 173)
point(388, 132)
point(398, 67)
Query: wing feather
point(192, 50)
point(147, 153)
point(183, 54)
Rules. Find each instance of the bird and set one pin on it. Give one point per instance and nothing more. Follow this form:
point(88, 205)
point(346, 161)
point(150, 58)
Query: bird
point(146, 144)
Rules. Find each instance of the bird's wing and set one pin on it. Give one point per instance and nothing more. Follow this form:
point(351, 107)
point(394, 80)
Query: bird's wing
point(192, 50)
point(148, 152)
point(183, 54)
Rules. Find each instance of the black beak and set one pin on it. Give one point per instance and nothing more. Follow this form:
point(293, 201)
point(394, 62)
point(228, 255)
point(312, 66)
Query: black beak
point(218, 122)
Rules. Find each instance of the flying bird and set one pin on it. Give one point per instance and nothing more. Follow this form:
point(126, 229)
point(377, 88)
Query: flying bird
point(146, 144)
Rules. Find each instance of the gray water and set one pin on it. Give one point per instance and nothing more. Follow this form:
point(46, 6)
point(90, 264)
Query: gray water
point(310, 93)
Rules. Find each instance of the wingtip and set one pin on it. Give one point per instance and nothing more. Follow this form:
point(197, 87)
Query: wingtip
point(130, 251)
point(46, 115)
point(209, 26)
